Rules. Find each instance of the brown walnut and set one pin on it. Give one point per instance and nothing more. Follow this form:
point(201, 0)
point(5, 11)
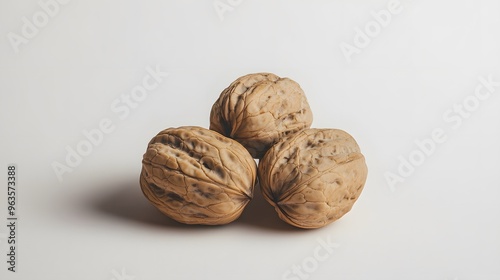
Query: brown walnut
point(313, 177)
point(197, 176)
point(259, 109)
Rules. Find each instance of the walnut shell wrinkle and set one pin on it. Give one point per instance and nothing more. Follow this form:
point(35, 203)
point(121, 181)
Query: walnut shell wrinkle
point(259, 109)
point(197, 176)
point(313, 177)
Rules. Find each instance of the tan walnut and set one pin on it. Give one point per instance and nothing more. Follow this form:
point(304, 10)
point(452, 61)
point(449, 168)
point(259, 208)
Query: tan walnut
point(259, 109)
point(313, 177)
point(197, 176)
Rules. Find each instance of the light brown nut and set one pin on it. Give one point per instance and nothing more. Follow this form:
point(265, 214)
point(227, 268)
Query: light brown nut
point(313, 177)
point(259, 109)
point(197, 176)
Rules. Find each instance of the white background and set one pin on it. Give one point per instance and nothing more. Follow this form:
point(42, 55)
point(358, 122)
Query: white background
point(441, 223)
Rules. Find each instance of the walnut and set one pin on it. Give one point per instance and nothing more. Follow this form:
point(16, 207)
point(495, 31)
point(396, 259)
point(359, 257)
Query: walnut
point(197, 176)
point(313, 177)
point(259, 109)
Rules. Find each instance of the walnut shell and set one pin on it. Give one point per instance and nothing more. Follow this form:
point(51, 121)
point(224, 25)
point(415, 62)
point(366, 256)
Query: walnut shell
point(197, 176)
point(259, 109)
point(313, 177)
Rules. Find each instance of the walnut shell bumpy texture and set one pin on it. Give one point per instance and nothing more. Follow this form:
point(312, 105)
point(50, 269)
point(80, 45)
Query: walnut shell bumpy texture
point(259, 109)
point(197, 176)
point(313, 177)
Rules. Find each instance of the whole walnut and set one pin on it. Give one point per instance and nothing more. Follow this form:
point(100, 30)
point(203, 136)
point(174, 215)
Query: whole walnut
point(313, 177)
point(197, 176)
point(259, 109)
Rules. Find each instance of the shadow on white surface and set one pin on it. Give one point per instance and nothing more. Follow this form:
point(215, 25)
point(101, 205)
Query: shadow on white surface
point(125, 201)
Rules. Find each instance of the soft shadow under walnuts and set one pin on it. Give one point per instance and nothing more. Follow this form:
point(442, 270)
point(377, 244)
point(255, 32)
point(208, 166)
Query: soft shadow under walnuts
point(125, 201)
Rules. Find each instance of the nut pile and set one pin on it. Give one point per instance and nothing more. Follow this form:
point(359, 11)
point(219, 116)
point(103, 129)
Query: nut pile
point(312, 177)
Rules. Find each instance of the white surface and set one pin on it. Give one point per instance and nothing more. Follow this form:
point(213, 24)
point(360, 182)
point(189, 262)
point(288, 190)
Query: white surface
point(441, 223)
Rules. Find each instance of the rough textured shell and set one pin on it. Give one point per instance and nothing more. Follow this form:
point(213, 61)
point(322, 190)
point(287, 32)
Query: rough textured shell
point(313, 177)
point(197, 176)
point(259, 109)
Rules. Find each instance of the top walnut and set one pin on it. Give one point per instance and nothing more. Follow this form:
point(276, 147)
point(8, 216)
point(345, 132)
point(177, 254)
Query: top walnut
point(259, 109)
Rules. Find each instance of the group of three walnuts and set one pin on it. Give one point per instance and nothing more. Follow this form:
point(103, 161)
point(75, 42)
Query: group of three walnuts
point(312, 177)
